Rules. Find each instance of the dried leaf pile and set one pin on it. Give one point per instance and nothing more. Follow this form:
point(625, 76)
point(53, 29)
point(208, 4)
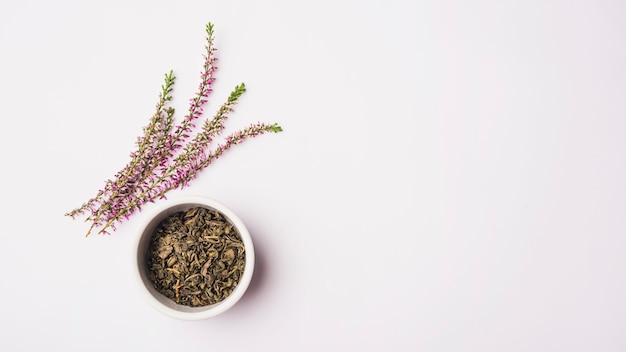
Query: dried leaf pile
point(196, 257)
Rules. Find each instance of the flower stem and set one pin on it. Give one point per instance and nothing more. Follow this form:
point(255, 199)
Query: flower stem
point(153, 131)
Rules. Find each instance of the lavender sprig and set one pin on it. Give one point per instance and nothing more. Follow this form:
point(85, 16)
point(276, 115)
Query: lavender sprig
point(197, 103)
point(159, 164)
point(156, 130)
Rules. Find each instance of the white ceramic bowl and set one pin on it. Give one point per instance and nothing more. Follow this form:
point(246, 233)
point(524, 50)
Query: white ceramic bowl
point(161, 302)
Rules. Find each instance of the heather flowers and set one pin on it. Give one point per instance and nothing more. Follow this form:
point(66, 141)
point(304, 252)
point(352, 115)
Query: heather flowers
point(167, 157)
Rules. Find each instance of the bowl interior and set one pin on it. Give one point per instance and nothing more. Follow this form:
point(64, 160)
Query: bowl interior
point(163, 303)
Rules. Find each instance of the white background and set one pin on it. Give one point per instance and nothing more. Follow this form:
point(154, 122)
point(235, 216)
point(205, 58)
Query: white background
point(450, 176)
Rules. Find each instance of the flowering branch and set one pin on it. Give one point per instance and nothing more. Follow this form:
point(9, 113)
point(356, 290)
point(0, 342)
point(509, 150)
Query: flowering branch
point(204, 89)
point(157, 166)
point(156, 130)
point(166, 144)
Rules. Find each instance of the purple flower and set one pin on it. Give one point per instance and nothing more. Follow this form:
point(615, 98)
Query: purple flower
point(165, 157)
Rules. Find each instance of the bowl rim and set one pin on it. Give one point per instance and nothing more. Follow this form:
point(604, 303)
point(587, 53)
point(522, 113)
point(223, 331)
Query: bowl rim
point(160, 302)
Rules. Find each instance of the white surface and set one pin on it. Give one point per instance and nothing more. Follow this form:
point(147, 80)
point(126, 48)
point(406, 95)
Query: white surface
point(451, 175)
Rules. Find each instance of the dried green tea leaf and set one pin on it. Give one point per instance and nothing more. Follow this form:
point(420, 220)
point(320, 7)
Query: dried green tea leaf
point(196, 257)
